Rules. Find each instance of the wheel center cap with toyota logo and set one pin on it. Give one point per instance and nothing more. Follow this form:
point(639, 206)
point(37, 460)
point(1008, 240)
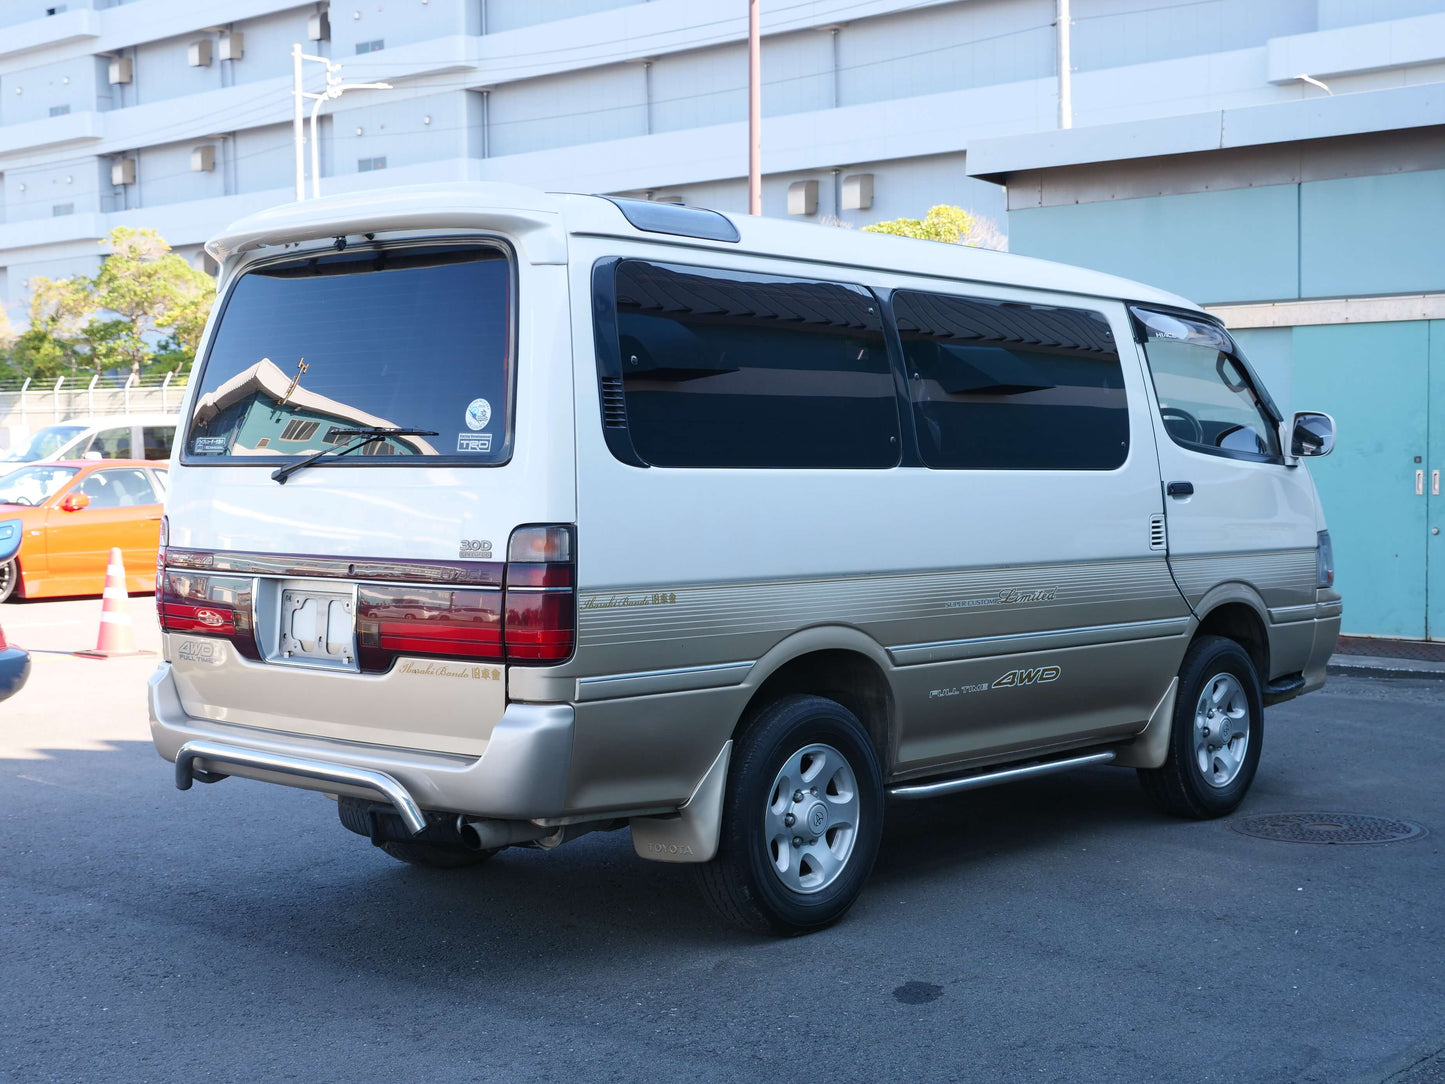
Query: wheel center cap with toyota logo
point(817, 818)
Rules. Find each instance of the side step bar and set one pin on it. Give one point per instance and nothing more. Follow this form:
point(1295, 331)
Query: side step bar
point(976, 780)
point(217, 753)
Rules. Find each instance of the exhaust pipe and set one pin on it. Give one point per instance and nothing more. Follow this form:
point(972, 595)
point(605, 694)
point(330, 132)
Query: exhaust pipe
point(483, 834)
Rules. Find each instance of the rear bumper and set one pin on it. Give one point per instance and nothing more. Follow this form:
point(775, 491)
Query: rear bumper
point(522, 774)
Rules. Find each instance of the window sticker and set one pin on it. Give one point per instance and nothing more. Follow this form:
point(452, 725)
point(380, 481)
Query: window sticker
point(479, 413)
point(205, 445)
point(474, 442)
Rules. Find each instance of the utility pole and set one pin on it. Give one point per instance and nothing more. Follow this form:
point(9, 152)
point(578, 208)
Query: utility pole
point(755, 112)
point(1066, 72)
point(298, 132)
point(335, 88)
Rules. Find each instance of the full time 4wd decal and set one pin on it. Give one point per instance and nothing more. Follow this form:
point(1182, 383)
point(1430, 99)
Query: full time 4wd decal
point(1032, 676)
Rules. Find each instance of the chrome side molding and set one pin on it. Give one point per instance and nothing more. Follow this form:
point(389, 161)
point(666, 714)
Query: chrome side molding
point(218, 753)
point(1003, 775)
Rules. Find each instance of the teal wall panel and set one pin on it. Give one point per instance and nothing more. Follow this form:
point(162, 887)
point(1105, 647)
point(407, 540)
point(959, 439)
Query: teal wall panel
point(1435, 503)
point(1238, 245)
point(1373, 235)
point(1373, 379)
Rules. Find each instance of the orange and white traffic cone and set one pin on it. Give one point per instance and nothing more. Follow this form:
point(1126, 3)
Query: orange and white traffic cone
point(116, 637)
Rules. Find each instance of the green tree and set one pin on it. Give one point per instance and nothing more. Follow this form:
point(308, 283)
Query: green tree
point(142, 311)
point(952, 225)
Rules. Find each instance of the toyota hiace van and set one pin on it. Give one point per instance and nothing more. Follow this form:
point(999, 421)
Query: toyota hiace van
point(500, 517)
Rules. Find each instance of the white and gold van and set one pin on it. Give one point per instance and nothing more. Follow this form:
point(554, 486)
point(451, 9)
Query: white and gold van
point(501, 517)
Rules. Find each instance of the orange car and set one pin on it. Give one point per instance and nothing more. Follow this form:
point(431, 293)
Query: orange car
point(69, 514)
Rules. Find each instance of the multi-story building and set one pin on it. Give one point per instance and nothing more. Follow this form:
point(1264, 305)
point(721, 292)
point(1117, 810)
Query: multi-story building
point(1283, 160)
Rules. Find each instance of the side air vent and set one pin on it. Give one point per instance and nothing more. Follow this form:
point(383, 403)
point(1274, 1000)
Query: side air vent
point(614, 405)
point(1158, 538)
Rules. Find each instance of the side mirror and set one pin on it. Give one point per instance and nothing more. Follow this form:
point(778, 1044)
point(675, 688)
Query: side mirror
point(75, 502)
point(1312, 434)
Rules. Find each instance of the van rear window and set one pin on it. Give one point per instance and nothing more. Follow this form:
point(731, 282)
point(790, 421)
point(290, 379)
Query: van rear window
point(309, 352)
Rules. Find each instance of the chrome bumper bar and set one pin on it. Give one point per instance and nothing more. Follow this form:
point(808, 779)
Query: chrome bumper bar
point(219, 753)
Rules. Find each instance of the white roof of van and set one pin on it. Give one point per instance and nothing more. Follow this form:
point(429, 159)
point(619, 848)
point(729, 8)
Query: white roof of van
point(540, 222)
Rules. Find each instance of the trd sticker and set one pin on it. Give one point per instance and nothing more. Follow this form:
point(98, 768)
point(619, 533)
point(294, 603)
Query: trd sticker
point(1032, 676)
point(202, 651)
point(205, 445)
point(474, 442)
point(479, 413)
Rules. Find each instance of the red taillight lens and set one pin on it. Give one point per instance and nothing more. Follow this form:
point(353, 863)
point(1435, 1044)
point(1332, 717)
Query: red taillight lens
point(204, 605)
point(541, 609)
point(162, 543)
point(393, 621)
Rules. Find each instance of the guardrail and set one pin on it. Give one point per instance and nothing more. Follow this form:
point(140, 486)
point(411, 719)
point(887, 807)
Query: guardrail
point(29, 405)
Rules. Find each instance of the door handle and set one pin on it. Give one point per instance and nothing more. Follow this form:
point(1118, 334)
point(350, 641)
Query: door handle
point(1180, 489)
point(1419, 483)
point(1434, 483)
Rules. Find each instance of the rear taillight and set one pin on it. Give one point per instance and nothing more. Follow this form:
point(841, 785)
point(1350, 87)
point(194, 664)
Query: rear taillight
point(1324, 561)
point(392, 621)
point(523, 612)
point(201, 604)
point(540, 606)
point(161, 545)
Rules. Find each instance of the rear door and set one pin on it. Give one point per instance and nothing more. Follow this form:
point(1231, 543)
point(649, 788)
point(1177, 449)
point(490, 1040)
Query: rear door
point(1236, 512)
point(358, 594)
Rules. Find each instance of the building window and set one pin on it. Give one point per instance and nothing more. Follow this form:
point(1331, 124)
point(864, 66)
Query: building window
point(366, 165)
point(300, 429)
point(59, 110)
point(999, 385)
point(727, 370)
point(63, 209)
point(371, 46)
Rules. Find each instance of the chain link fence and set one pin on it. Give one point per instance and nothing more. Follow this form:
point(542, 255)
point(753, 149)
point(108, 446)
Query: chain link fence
point(31, 405)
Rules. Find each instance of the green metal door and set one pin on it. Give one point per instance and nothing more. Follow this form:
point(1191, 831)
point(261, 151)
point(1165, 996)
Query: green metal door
point(1375, 380)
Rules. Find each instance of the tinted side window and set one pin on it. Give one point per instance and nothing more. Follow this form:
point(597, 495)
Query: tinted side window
point(118, 489)
point(729, 369)
point(110, 444)
point(158, 439)
point(1004, 386)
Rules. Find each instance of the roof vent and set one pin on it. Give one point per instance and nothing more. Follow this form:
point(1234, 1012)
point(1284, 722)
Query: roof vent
point(679, 221)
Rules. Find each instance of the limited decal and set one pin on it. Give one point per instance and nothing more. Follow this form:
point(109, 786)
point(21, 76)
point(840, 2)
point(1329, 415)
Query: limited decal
point(957, 690)
point(446, 670)
point(479, 413)
point(1032, 676)
point(478, 549)
point(1009, 596)
point(474, 442)
point(206, 445)
point(205, 652)
point(612, 602)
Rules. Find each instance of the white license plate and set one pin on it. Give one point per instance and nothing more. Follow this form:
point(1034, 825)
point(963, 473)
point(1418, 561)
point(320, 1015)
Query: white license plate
point(318, 628)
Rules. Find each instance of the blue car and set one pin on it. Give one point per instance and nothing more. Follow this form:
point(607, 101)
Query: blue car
point(14, 668)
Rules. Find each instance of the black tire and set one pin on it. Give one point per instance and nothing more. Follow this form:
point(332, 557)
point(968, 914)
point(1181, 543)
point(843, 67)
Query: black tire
point(9, 578)
point(436, 855)
point(740, 883)
point(1180, 787)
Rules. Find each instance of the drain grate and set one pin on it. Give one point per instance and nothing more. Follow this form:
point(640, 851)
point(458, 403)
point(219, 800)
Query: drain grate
point(1327, 828)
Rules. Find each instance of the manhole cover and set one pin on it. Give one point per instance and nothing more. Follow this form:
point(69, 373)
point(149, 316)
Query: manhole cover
point(1327, 828)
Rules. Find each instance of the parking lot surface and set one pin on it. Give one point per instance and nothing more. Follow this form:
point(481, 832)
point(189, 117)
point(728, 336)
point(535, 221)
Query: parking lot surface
point(1052, 930)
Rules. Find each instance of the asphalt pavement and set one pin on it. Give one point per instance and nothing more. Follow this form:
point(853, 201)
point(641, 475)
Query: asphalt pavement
point(1054, 930)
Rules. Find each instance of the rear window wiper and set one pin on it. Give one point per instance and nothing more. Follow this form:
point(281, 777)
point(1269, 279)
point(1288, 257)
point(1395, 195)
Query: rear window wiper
point(364, 437)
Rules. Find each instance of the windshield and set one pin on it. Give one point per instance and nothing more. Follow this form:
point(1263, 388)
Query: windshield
point(45, 443)
point(34, 485)
point(308, 350)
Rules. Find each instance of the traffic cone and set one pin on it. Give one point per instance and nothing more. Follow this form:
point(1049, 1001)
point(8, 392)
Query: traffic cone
point(116, 636)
